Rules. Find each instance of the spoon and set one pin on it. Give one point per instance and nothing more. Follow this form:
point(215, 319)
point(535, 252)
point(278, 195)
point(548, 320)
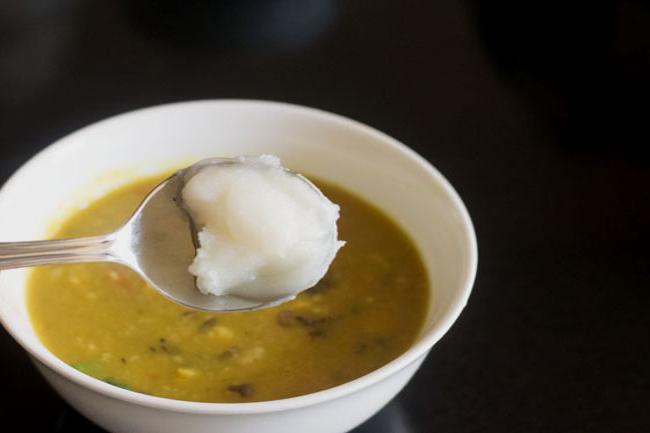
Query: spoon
point(158, 242)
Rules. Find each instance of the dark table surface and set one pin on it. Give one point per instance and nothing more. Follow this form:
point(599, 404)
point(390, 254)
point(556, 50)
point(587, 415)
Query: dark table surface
point(536, 111)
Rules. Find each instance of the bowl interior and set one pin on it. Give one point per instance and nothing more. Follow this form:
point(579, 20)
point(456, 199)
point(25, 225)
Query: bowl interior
point(118, 150)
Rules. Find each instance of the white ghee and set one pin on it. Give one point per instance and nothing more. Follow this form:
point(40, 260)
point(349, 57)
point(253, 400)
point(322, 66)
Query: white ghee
point(264, 233)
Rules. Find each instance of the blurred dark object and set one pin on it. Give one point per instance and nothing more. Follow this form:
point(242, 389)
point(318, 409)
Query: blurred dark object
point(584, 66)
point(233, 26)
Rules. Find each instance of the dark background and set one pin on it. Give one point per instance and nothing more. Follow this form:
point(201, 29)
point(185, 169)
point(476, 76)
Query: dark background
point(537, 111)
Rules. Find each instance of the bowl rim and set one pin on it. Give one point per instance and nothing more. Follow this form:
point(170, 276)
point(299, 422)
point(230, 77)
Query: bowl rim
point(415, 352)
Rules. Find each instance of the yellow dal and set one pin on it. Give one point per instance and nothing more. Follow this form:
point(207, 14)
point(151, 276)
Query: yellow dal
point(105, 321)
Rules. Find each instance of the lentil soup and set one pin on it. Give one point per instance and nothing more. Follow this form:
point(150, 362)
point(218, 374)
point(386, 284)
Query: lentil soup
point(102, 319)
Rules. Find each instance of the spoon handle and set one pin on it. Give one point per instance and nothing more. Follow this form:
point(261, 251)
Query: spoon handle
point(74, 250)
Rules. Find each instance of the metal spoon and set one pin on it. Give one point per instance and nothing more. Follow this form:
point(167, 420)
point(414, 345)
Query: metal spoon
point(158, 242)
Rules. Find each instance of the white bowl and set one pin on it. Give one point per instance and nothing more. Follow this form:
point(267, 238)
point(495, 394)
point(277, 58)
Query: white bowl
point(112, 152)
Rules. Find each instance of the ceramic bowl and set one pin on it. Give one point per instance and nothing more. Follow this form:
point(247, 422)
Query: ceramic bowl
point(110, 153)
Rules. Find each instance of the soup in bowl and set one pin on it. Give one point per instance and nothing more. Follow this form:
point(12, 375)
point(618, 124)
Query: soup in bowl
point(322, 364)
